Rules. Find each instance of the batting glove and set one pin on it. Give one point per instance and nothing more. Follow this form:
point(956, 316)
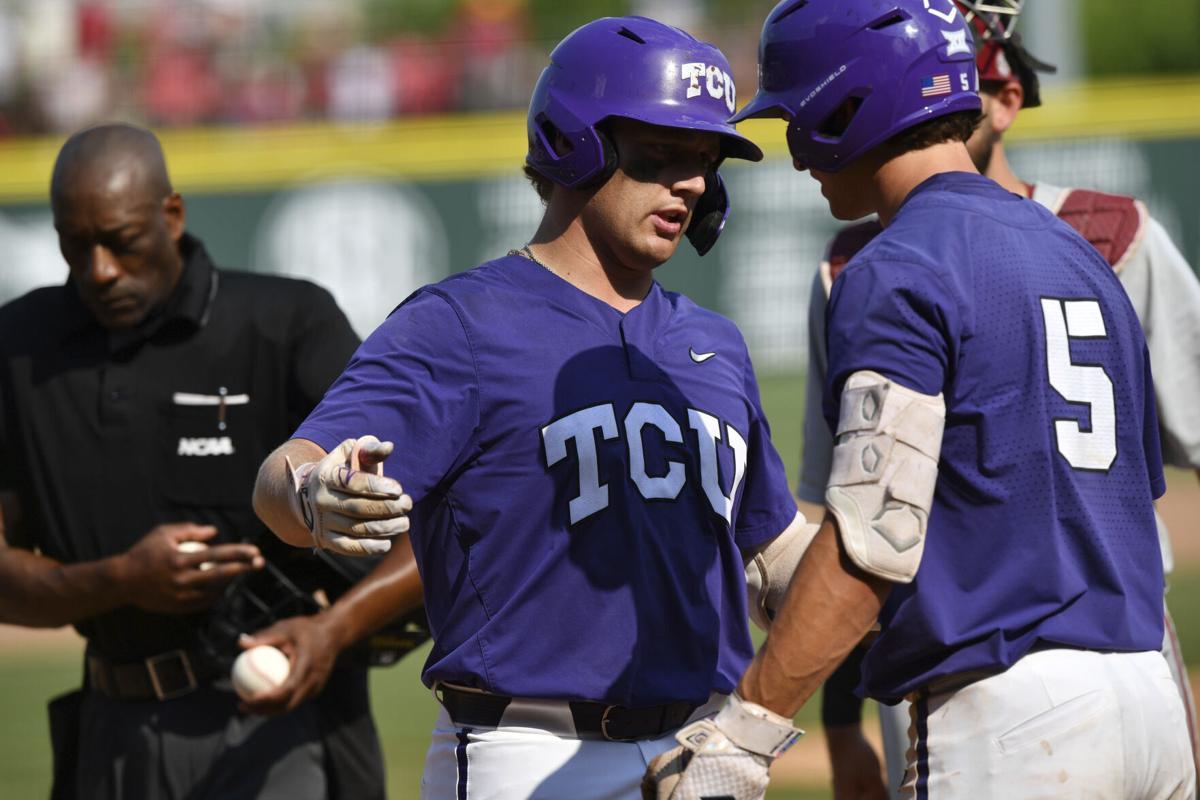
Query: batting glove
point(727, 756)
point(347, 509)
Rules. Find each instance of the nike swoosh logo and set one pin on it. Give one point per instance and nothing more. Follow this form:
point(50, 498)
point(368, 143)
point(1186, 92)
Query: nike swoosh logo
point(699, 358)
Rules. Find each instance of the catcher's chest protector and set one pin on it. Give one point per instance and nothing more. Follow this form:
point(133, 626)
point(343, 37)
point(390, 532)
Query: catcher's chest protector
point(1111, 223)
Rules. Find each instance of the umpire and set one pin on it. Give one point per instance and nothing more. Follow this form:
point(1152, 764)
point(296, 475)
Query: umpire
point(137, 401)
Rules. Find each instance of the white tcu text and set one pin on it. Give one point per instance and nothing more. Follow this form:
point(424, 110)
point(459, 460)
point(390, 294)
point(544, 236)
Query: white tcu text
point(717, 81)
point(582, 426)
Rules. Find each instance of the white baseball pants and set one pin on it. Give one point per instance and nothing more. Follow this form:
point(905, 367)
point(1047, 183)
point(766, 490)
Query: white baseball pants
point(535, 757)
point(894, 721)
point(1058, 724)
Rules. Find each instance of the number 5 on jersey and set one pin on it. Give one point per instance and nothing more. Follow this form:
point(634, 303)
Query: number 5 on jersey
point(1088, 384)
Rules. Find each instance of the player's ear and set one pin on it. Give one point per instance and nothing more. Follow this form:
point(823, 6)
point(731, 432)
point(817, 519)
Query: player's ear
point(175, 214)
point(1006, 104)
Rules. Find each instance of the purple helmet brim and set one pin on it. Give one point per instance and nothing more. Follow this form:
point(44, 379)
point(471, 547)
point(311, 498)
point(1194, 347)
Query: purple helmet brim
point(733, 143)
point(763, 105)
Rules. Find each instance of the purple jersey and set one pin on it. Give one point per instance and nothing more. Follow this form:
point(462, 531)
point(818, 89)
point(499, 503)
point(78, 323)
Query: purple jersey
point(1042, 530)
point(583, 482)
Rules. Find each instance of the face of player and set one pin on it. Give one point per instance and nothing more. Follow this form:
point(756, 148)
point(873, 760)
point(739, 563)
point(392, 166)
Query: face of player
point(638, 217)
point(121, 244)
point(983, 141)
point(849, 191)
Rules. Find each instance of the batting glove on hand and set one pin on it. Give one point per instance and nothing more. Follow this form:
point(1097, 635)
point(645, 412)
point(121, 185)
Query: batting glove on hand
point(727, 756)
point(347, 503)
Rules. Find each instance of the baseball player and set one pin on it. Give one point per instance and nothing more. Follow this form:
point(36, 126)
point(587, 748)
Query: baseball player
point(584, 458)
point(996, 451)
point(1159, 281)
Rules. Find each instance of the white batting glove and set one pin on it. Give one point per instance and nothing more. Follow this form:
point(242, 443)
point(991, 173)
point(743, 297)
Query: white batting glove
point(726, 756)
point(346, 502)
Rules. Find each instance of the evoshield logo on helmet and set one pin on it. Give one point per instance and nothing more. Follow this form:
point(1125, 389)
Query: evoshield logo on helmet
point(832, 77)
point(718, 82)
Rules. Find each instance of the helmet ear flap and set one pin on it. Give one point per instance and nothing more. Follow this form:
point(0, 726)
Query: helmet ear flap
point(710, 213)
point(608, 158)
point(566, 149)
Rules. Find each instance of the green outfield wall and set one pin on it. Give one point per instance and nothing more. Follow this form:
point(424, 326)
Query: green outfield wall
point(373, 213)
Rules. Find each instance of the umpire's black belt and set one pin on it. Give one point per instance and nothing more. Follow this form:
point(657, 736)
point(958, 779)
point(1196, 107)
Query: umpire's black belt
point(474, 708)
point(159, 677)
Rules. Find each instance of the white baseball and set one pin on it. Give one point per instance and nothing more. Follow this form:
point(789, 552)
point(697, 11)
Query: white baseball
point(190, 546)
point(258, 669)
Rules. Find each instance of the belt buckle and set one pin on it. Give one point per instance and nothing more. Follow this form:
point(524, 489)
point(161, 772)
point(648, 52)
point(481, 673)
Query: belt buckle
point(604, 727)
point(152, 665)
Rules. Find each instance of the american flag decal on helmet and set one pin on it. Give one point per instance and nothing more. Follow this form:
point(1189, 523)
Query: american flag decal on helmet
point(935, 85)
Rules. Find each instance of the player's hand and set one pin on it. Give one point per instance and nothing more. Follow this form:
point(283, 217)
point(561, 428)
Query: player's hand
point(856, 769)
point(311, 646)
point(347, 503)
point(726, 756)
point(157, 576)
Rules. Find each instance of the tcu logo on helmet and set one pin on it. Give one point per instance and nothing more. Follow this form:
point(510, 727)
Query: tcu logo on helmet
point(582, 428)
point(717, 81)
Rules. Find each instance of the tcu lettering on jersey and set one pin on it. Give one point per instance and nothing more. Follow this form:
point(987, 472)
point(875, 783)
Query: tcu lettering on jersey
point(582, 427)
point(717, 82)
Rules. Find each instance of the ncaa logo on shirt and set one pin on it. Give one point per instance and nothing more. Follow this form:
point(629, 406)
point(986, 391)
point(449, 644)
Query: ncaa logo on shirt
point(204, 446)
point(717, 82)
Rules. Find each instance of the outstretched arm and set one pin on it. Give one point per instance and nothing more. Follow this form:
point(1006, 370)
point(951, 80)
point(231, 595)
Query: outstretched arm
point(829, 607)
point(274, 500)
point(339, 501)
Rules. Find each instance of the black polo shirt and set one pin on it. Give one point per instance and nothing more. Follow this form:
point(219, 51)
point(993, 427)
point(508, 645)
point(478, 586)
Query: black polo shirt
point(107, 434)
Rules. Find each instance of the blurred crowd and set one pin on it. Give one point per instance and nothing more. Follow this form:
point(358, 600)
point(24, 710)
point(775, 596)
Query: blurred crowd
point(67, 63)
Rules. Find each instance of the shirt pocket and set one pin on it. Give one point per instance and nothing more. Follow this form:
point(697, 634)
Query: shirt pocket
point(210, 450)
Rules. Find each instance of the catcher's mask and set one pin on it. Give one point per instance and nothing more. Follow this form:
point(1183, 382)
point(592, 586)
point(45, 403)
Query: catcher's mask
point(999, 52)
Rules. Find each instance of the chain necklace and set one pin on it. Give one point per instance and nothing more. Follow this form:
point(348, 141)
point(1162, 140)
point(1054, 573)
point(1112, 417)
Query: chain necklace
point(525, 252)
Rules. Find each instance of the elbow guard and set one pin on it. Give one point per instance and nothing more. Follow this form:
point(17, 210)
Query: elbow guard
point(884, 473)
point(770, 571)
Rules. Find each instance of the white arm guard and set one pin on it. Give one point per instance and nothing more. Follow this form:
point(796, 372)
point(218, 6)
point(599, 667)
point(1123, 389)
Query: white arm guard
point(884, 473)
point(770, 571)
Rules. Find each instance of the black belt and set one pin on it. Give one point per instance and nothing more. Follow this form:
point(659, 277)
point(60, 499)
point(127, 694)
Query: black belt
point(614, 723)
point(160, 677)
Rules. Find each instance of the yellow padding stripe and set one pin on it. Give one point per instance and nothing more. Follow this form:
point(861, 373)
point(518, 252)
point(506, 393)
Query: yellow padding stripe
point(466, 146)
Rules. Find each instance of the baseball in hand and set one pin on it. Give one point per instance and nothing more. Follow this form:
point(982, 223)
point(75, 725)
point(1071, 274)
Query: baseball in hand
point(190, 546)
point(258, 669)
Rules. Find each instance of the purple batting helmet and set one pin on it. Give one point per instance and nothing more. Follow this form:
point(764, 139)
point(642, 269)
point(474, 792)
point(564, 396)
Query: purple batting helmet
point(639, 69)
point(849, 74)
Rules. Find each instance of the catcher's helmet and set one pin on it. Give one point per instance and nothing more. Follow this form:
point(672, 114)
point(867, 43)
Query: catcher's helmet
point(639, 69)
point(1000, 55)
point(849, 74)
